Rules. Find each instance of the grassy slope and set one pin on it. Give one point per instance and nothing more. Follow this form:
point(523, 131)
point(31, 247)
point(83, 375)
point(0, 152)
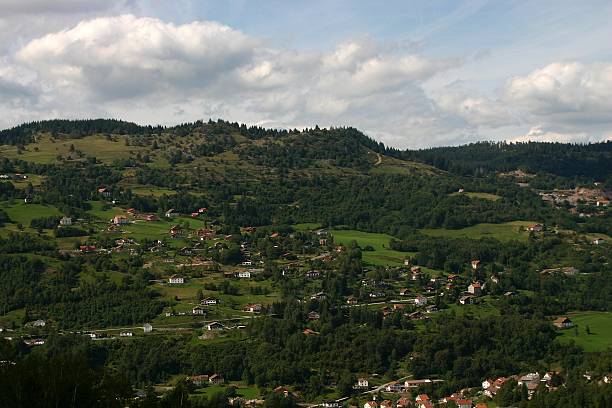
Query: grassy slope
point(600, 325)
point(503, 232)
point(381, 255)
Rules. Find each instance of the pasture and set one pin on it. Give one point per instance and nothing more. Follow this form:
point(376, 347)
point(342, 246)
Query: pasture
point(503, 232)
point(381, 255)
point(599, 325)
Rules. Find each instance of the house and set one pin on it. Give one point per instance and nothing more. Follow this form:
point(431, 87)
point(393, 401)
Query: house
point(363, 383)
point(563, 322)
point(475, 264)
point(252, 308)
point(176, 231)
point(319, 296)
point(176, 279)
point(331, 404)
point(420, 301)
point(214, 326)
point(394, 387)
point(171, 213)
point(87, 248)
point(386, 404)
point(351, 300)
point(422, 398)
point(482, 405)
point(198, 380)
point(406, 262)
point(535, 228)
point(466, 300)
point(403, 403)
point(244, 274)
point(370, 404)
point(120, 220)
point(131, 211)
point(65, 221)
point(209, 301)
point(38, 323)
point(309, 332)
point(464, 403)
point(598, 241)
point(195, 214)
point(313, 274)
point(486, 384)
point(206, 233)
point(417, 316)
point(216, 379)
point(104, 191)
point(151, 217)
point(198, 310)
point(404, 292)
point(313, 315)
point(495, 279)
point(475, 289)
point(147, 328)
point(126, 334)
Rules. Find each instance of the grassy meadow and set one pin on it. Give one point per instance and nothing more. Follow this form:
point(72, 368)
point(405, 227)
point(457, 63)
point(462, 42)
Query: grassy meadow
point(503, 232)
point(600, 327)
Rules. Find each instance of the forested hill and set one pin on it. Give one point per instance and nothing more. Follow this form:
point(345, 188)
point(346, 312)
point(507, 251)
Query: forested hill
point(341, 147)
point(561, 159)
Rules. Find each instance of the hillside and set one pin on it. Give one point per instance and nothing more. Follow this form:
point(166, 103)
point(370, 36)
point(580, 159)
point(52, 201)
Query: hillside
point(273, 258)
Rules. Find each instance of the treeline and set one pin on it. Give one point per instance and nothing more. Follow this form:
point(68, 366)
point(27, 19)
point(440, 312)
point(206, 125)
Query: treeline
point(561, 159)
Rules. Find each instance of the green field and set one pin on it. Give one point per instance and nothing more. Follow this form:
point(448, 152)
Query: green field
point(46, 150)
point(503, 232)
point(600, 326)
point(484, 196)
point(381, 255)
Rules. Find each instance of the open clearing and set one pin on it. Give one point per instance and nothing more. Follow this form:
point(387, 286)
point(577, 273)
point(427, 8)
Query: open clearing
point(504, 232)
point(600, 326)
point(381, 255)
point(484, 196)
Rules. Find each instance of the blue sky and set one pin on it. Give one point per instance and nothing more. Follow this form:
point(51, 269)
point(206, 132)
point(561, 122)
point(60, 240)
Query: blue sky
point(409, 73)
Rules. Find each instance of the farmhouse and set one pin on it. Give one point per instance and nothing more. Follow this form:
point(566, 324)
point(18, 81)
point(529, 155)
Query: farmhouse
point(466, 300)
point(147, 328)
point(216, 379)
point(120, 220)
point(214, 326)
point(176, 279)
point(65, 221)
point(198, 310)
point(246, 274)
point(363, 383)
point(420, 300)
point(536, 228)
point(252, 308)
point(209, 301)
point(563, 322)
point(475, 289)
point(198, 380)
point(176, 231)
point(171, 213)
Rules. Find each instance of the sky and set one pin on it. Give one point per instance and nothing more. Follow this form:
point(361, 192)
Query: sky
point(412, 74)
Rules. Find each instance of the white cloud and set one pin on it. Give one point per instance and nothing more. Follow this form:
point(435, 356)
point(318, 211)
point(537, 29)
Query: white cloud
point(571, 92)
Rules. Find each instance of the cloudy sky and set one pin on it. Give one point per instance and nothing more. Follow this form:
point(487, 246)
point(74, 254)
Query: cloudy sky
point(410, 73)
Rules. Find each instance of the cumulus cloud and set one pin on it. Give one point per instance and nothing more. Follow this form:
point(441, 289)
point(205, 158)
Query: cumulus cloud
point(571, 92)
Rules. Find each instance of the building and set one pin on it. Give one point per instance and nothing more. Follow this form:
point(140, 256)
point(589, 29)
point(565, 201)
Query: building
point(598, 241)
point(199, 380)
point(466, 300)
point(65, 221)
point(120, 220)
point(370, 404)
point(147, 328)
point(214, 326)
point(420, 301)
point(313, 315)
point(216, 379)
point(244, 274)
point(198, 310)
point(475, 289)
point(171, 213)
point(475, 264)
point(252, 308)
point(176, 231)
point(563, 322)
point(126, 334)
point(363, 383)
point(210, 301)
point(176, 280)
point(536, 228)
point(464, 403)
point(351, 300)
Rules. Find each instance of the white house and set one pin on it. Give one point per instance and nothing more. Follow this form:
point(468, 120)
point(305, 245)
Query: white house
point(363, 383)
point(65, 221)
point(244, 274)
point(420, 300)
point(126, 334)
point(370, 404)
point(210, 301)
point(197, 311)
point(147, 328)
point(214, 326)
point(175, 279)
